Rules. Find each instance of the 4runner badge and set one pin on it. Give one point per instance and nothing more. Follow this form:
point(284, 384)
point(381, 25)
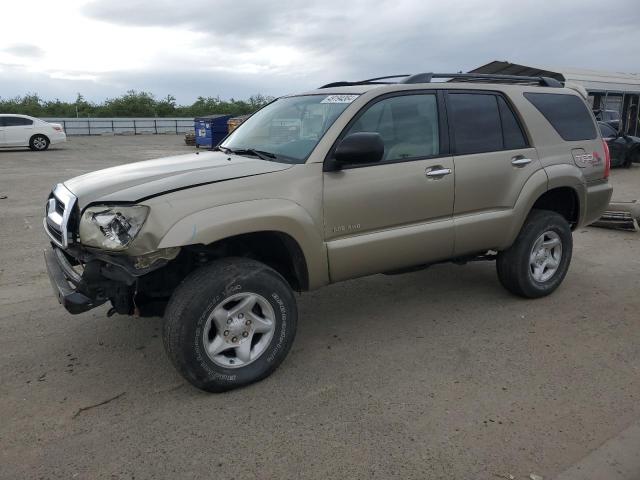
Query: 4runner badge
point(584, 159)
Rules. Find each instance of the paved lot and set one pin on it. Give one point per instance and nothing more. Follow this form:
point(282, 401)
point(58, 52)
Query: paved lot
point(434, 374)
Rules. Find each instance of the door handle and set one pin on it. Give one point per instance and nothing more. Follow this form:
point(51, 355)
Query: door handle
point(520, 161)
point(438, 172)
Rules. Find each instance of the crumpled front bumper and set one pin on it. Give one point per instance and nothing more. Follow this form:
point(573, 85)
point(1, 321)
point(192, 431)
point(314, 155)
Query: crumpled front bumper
point(67, 283)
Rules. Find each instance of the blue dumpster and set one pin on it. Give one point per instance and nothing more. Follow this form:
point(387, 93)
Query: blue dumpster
point(210, 129)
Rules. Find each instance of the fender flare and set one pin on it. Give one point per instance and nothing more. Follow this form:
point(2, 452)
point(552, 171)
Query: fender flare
point(273, 215)
point(542, 181)
point(570, 176)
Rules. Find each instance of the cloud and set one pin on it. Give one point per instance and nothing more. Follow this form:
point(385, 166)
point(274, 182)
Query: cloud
point(238, 48)
point(24, 50)
point(366, 38)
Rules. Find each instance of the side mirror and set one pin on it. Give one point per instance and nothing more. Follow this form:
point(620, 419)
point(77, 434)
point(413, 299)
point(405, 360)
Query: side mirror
point(362, 147)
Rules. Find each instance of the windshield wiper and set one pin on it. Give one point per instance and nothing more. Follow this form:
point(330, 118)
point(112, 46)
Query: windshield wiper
point(262, 154)
point(250, 151)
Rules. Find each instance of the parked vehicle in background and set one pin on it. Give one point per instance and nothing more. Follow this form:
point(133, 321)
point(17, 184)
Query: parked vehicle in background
point(624, 149)
point(611, 117)
point(26, 131)
point(348, 180)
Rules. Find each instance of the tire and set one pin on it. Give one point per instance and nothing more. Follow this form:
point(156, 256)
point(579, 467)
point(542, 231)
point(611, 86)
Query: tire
point(523, 271)
point(632, 157)
point(216, 360)
point(39, 143)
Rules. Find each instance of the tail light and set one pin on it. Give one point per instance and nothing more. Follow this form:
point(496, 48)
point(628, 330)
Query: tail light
point(57, 128)
point(607, 160)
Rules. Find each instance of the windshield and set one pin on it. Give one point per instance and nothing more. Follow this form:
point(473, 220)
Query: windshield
point(288, 129)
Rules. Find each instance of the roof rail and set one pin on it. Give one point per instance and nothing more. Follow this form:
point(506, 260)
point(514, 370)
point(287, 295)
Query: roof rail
point(426, 78)
point(462, 77)
point(370, 81)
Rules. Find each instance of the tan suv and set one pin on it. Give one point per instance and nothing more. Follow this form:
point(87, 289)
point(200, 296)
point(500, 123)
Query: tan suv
point(351, 179)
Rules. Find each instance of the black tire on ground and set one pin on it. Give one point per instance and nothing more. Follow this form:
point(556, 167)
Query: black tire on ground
point(202, 292)
point(628, 161)
point(39, 143)
point(513, 265)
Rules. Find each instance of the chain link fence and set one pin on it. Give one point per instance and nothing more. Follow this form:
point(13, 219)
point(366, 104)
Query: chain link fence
point(124, 126)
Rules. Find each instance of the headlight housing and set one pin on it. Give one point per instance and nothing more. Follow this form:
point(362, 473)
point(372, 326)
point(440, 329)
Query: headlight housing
point(112, 227)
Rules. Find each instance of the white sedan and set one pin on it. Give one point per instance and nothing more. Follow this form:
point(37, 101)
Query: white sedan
point(24, 131)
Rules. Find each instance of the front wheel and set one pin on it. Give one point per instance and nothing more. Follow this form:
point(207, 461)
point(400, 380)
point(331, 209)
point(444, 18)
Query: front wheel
point(537, 262)
point(38, 143)
point(229, 324)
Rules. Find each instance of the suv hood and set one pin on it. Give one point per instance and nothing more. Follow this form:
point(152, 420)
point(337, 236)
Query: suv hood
point(141, 180)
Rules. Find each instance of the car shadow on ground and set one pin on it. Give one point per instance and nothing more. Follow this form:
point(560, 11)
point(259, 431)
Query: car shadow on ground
point(27, 149)
point(357, 311)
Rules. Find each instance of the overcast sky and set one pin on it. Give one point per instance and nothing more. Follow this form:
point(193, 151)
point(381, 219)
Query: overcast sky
point(235, 48)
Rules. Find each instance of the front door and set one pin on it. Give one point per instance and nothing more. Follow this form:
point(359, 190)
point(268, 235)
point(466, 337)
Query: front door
point(395, 213)
point(493, 160)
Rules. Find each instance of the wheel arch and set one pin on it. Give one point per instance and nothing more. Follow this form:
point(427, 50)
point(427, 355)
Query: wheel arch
point(40, 134)
point(276, 249)
point(562, 200)
point(281, 224)
point(549, 189)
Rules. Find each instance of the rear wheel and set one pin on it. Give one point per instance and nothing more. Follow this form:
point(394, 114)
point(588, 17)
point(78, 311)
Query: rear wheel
point(39, 143)
point(229, 324)
point(537, 262)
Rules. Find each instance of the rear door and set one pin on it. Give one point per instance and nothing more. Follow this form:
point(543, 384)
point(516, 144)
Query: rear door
point(17, 131)
point(2, 142)
point(493, 159)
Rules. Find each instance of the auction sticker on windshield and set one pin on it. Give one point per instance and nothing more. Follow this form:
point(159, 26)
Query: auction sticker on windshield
point(339, 99)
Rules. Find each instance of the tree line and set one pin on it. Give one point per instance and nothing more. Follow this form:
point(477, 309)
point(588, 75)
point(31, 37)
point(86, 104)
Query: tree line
point(131, 104)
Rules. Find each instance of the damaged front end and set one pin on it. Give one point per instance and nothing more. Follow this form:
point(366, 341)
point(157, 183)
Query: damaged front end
point(84, 277)
point(83, 280)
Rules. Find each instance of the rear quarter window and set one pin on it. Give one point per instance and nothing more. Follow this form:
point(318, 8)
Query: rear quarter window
point(567, 114)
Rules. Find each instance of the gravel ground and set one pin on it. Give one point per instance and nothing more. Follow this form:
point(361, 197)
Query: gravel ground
point(434, 374)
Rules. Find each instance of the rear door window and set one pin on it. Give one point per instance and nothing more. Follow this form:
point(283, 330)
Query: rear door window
point(511, 131)
point(567, 114)
point(476, 123)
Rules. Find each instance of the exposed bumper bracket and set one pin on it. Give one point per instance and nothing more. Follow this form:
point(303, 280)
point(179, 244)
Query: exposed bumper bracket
point(64, 281)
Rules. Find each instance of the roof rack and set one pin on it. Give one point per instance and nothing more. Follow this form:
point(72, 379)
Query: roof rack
point(459, 77)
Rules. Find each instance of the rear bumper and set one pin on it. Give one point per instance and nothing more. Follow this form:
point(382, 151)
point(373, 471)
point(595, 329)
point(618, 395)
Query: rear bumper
point(58, 138)
point(66, 282)
point(598, 198)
